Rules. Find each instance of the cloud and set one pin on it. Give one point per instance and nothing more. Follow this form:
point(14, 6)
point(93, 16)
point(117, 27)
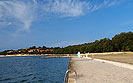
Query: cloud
point(98, 4)
point(22, 13)
point(16, 13)
point(68, 7)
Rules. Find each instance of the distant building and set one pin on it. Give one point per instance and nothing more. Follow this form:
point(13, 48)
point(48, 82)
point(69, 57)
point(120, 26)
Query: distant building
point(42, 50)
point(32, 50)
point(46, 50)
point(10, 51)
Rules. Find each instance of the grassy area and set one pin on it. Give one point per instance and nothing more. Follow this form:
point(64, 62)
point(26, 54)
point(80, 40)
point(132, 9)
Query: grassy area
point(124, 58)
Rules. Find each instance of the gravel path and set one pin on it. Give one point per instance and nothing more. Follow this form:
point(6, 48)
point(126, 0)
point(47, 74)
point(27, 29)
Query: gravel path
point(91, 71)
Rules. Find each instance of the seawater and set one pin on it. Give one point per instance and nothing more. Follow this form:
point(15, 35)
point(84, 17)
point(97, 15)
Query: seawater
point(32, 69)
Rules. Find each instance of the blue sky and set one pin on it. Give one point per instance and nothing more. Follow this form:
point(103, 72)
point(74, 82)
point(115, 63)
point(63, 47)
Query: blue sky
point(24, 23)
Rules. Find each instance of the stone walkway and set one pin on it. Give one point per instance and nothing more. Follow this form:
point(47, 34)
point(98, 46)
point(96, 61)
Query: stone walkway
point(91, 71)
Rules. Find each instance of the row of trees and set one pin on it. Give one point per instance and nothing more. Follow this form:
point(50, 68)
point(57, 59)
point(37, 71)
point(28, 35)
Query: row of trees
point(120, 42)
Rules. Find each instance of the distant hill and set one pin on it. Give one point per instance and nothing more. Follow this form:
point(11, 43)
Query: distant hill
point(120, 42)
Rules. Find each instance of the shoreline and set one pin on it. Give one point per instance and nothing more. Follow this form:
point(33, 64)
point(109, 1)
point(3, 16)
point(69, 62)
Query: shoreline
point(71, 75)
point(105, 53)
point(122, 57)
point(36, 55)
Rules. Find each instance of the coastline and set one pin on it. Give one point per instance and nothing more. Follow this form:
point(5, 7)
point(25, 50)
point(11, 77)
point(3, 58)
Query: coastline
point(69, 66)
point(36, 55)
point(89, 54)
point(71, 75)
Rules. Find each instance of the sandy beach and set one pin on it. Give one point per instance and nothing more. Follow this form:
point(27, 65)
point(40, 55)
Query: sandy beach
point(92, 71)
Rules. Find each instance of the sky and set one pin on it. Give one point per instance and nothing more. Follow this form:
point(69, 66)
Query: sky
point(52, 23)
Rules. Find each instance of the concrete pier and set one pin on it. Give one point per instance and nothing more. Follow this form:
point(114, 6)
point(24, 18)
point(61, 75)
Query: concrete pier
point(92, 71)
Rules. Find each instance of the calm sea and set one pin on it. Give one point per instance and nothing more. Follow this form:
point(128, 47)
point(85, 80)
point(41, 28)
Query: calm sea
point(32, 69)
